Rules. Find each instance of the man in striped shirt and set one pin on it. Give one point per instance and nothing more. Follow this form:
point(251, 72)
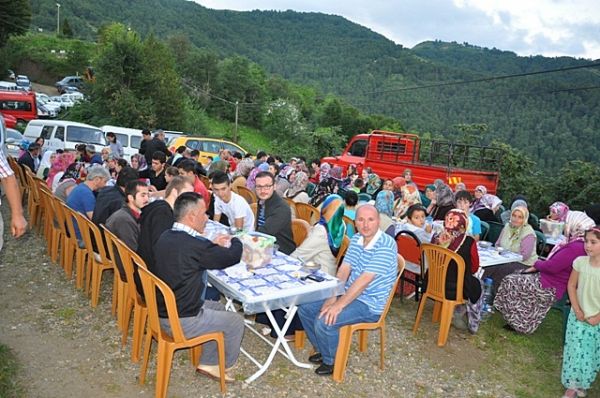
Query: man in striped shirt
point(18, 224)
point(369, 271)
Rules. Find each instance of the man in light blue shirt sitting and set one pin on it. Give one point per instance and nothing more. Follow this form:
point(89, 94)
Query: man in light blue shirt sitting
point(369, 271)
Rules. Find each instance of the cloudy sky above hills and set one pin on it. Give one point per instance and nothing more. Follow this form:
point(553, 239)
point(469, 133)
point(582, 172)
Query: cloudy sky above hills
point(527, 27)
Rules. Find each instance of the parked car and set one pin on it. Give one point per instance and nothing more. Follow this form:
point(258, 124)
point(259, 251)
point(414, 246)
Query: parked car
point(23, 82)
point(11, 142)
point(64, 134)
point(206, 146)
point(129, 138)
point(21, 105)
point(64, 102)
point(75, 96)
point(48, 102)
point(45, 112)
point(69, 81)
point(8, 86)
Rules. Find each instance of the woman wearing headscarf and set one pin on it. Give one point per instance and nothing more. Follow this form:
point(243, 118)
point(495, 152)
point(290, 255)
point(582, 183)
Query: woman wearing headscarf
point(397, 184)
point(488, 206)
point(410, 196)
point(384, 203)
point(428, 195)
point(138, 162)
point(480, 190)
point(373, 184)
point(454, 237)
point(558, 212)
point(518, 237)
point(325, 238)
point(241, 172)
point(324, 170)
point(45, 164)
point(507, 214)
point(57, 169)
point(297, 189)
point(525, 298)
point(443, 201)
point(282, 181)
point(251, 180)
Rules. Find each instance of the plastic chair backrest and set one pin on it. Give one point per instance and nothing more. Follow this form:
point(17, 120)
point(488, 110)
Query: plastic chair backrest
point(307, 212)
point(409, 247)
point(388, 303)
point(247, 194)
point(342, 252)
point(541, 242)
point(129, 259)
point(300, 230)
point(438, 260)
point(485, 228)
point(92, 237)
point(350, 227)
point(151, 284)
point(535, 221)
point(494, 231)
point(364, 197)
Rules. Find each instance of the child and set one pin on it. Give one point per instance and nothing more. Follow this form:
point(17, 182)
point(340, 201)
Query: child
point(581, 356)
point(415, 223)
point(463, 201)
point(359, 183)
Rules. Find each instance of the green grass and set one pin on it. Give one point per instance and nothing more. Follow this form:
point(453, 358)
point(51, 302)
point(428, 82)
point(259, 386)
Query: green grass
point(9, 367)
point(529, 365)
point(249, 138)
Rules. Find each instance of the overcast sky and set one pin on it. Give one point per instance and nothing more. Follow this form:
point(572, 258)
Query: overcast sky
point(527, 27)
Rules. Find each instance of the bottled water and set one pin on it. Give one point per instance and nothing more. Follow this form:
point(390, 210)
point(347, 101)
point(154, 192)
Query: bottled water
point(488, 299)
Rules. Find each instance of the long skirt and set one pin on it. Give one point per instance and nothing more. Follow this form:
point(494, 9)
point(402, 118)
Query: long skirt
point(523, 301)
point(581, 356)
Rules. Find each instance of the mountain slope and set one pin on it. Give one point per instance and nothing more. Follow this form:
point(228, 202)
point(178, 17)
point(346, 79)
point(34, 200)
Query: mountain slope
point(548, 115)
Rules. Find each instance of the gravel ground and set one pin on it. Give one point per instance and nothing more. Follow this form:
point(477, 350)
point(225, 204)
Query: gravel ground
point(68, 349)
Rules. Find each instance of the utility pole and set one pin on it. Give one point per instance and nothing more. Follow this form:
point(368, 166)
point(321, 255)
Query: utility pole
point(57, 19)
point(235, 132)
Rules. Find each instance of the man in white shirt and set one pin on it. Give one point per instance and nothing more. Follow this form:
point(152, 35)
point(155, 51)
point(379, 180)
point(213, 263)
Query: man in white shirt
point(231, 204)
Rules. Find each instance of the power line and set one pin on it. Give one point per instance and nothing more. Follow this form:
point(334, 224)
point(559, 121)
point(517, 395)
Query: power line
point(483, 79)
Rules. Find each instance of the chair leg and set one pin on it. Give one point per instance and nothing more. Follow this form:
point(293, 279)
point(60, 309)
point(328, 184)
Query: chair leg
point(139, 321)
point(146, 358)
point(418, 285)
point(300, 337)
point(419, 313)
point(382, 346)
point(82, 263)
point(401, 289)
point(437, 312)
point(163, 369)
point(116, 294)
point(362, 340)
point(96, 279)
point(220, 340)
point(342, 353)
point(127, 305)
point(447, 311)
point(195, 354)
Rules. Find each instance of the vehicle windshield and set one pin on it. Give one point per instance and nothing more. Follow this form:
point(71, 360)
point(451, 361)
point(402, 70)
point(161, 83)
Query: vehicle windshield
point(135, 141)
point(85, 135)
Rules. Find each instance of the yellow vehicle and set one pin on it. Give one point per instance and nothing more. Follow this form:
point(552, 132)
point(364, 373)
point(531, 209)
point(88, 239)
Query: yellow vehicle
point(206, 146)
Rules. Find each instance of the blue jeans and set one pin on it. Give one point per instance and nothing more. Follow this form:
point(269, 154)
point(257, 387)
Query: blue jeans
point(324, 337)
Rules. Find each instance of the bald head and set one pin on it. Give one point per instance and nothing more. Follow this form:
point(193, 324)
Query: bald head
point(367, 222)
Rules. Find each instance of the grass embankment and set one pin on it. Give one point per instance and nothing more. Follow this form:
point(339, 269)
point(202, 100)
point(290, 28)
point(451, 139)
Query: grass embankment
point(9, 367)
point(249, 138)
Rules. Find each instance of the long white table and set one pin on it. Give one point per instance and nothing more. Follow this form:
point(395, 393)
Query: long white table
point(489, 256)
point(278, 285)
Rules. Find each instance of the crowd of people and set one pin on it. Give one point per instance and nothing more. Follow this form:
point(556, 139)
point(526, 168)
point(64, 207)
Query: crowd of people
point(158, 203)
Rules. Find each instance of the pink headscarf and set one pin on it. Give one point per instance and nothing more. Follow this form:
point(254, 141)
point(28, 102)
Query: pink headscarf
point(60, 164)
point(558, 211)
point(576, 223)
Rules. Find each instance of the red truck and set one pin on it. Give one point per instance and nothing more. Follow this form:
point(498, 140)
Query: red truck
point(388, 154)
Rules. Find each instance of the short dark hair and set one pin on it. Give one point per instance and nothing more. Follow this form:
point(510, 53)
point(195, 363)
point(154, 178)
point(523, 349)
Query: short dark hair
point(181, 149)
point(184, 203)
point(463, 195)
point(146, 132)
point(415, 208)
point(351, 198)
point(126, 175)
point(359, 182)
point(172, 171)
point(316, 161)
point(177, 184)
point(111, 134)
point(33, 147)
point(277, 168)
point(160, 156)
point(237, 155)
point(187, 165)
point(261, 154)
point(265, 174)
point(218, 177)
point(132, 187)
point(195, 152)
point(122, 162)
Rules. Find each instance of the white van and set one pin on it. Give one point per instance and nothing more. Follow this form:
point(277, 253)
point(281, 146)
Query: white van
point(129, 138)
point(8, 86)
point(63, 134)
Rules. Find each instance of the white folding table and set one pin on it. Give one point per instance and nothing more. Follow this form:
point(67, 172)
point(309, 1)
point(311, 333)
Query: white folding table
point(489, 256)
point(275, 286)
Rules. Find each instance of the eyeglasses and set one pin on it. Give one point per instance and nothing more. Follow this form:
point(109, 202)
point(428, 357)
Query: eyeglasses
point(263, 187)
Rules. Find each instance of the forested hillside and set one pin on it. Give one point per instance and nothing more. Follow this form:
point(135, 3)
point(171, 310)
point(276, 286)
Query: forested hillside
point(549, 116)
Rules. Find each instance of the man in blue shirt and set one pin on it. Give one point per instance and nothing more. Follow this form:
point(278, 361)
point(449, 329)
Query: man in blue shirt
point(369, 271)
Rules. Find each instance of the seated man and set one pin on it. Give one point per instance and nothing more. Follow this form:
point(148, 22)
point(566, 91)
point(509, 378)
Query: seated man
point(183, 256)
point(187, 168)
point(111, 199)
point(369, 271)
point(231, 204)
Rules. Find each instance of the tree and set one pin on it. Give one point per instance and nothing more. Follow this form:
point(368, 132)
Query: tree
point(67, 31)
point(16, 17)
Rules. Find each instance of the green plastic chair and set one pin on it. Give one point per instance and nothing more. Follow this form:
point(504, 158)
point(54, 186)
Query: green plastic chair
point(310, 189)
point(485, 228)
point(495, 228)
point(541, 242)
point(364, 197)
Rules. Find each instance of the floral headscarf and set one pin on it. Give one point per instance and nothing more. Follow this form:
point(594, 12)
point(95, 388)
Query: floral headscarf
point(559, 211)
point(300, 183)
point(515, 232)
point(576, 223)
point(454, 234)
point(373, 183)
point(244, 167)
point(324, 170)
point(336, 172)
point(251, 181)
point(142, 165)
point(490, 201)
point(410, 196)
point(384, 203)
point(443, 194)
point(60, 164)
point(332, 218)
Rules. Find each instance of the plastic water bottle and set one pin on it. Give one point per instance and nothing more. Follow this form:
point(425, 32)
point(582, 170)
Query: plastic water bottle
point(488, 299)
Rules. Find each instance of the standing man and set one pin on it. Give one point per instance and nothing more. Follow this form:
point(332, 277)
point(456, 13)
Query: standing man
point(183, 256)
point(10, 186)
point(369, 271)
point(273, 214)
point(156, 144)
point(231, 204)
point(146, 137)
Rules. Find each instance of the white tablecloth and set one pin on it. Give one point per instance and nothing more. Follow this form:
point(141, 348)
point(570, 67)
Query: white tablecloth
point(489, 256)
